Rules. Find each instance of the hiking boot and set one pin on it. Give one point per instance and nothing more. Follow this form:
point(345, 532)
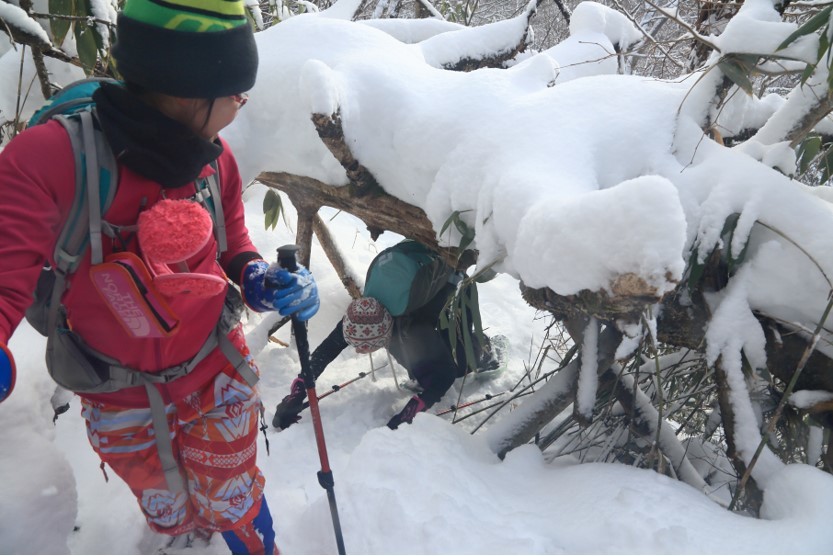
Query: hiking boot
point(288, 411)
point(493, 357)
point(414, 406)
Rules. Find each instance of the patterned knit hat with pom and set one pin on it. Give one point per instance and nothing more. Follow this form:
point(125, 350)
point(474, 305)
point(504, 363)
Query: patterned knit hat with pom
point(186, 48)
point(367, 325)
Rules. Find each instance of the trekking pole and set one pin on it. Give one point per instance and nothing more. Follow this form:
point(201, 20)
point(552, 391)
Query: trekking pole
point(485, 398)
point(336, 387)
point(287, 261)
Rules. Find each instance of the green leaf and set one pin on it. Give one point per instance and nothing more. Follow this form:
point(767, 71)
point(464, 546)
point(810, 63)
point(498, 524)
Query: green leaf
point(808, 71)
point(272, 209)
point(813, 24)
point(728, 233)
point(737, 71)
point(60, 27)
point(485, 276)
point(696, 269)
point(827, 164)
point(824, 45)
point(807, 151)
point(448, 221)
point(87, 50)
point(465, 231)
point(468, 348)
point(474, 303)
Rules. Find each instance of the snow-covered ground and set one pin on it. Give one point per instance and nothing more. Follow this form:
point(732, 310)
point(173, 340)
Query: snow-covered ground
point(568, 186)
point(428, 488)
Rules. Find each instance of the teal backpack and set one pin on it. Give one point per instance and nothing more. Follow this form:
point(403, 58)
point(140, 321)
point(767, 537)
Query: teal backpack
point(96, 182)
point(406, 276)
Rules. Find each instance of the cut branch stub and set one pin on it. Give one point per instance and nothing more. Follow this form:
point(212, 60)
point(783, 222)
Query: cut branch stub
point(599, 304)
point(331, 132)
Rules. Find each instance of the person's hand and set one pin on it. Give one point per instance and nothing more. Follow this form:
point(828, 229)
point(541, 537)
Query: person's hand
point(271, 288)
point(7, 372)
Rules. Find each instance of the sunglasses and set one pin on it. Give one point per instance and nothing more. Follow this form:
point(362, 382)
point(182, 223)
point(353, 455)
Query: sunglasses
point(241, 99)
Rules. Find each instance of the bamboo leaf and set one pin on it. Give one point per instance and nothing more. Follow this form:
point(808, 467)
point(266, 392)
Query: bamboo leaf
point(449, 220)
point(813, 24)
point(827, 164)
point(808, 71)
point(272, 209)
point(737, 72)
point(87, 50)
point(729, 229)
point(468, 348)
point(696, 268)
point(807, 151)
point(59, 26)
point(824, 45)
point(474, 299)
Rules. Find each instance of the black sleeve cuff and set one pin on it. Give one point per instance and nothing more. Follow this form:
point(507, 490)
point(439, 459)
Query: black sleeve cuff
point(235, 267)
point(327, 351)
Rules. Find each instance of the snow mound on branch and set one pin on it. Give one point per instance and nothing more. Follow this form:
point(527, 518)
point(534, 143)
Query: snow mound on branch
point(570, 186)
point(592, 17)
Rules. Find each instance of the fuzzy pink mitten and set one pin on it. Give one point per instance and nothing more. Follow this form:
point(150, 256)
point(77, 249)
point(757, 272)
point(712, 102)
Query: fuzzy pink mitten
point(171, 232)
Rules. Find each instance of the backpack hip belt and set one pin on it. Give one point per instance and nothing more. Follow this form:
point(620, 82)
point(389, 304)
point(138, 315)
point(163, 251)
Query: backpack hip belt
point(79, 368)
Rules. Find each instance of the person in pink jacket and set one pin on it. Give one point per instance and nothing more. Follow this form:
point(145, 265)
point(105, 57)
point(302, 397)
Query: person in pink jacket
point(186, 71)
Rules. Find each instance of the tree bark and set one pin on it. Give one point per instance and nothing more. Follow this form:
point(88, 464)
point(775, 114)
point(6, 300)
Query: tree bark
point(545, 404)
point(499, 59)
point(380, 212)
point(334, 255)
point(754, 496)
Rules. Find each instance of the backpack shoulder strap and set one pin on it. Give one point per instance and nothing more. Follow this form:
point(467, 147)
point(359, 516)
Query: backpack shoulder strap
point(211, 198)
point(96, 181)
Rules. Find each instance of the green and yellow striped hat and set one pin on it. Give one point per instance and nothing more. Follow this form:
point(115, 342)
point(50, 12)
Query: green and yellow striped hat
point(186, 48)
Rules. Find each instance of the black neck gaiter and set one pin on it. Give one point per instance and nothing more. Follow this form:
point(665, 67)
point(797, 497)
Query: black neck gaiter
point(150, 143)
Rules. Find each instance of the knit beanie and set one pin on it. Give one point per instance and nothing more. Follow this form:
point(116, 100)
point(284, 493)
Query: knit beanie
point(367, 325)
point(186, 48)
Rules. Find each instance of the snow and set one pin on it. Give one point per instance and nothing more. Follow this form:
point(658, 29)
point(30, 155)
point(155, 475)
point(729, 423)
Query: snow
point(571, 176)
point(428, 488)
point(808, 398)
point(588, 376)
point(757, 29)
point(18, 18)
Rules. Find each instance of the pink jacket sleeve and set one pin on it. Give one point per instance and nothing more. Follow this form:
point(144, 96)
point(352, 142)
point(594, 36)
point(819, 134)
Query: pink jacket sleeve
point(37, 183)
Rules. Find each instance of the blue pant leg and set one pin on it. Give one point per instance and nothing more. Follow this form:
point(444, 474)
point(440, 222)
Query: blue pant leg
point(240, 540)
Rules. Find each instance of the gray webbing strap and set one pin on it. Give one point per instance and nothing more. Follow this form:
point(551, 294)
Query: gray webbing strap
point(72, 236)
point(162, 432)
point(65, 262)
point(93, 160)
point(213, 184)
point(128, 377)
point(234, 357)
point(58, 288)
point(93, 187)
point(164, 446)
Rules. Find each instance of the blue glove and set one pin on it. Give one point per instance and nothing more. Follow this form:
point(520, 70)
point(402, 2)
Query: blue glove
point(271, 288)
point(7, 372)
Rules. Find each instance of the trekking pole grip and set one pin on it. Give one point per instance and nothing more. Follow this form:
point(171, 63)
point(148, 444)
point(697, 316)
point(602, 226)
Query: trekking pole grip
point(287, 259)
